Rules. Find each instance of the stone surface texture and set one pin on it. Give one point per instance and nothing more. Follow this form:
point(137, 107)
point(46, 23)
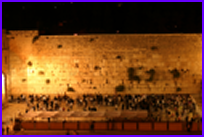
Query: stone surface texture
point(47, 64)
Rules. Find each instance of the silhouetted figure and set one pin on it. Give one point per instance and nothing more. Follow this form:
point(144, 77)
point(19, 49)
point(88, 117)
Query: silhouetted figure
point(51, 104)
point(37, 105)
point(3, 130)
point(123, 106)
point(48, 119)
point(92, 126)
point(67, 133)
point(7, 130)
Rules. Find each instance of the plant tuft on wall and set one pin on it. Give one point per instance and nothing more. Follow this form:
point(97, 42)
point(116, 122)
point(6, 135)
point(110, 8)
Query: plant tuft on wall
point(154, 48)
point(47, 81)
point(30, 63)
point(24, 80)
point(70, 89)
point(8, 32)
point(178, 89)
point(119, 57)
point(131, 73)
point(151, 72)
point(120, 88)
point(97, 68)
point(141, 67)
point(59, 46)
point(175, 73)
point(137, 78)
point(92, 39)
point(83, 80)
point(41, 73)
point(35, 38)
point(94, 88)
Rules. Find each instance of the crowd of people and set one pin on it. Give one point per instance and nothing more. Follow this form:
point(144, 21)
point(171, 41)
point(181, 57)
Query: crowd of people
point(170, 107)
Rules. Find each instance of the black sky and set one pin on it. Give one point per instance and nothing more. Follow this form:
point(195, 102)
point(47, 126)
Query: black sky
point(86, 18)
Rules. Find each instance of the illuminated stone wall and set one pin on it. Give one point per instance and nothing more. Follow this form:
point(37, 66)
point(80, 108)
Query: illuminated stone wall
point(99, 63)
point(5, 65)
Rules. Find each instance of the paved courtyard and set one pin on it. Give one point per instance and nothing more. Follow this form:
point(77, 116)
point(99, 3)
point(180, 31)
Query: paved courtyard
point(12, 110)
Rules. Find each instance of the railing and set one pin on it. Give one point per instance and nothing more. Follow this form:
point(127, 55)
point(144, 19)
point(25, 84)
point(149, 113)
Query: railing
point(126, 126)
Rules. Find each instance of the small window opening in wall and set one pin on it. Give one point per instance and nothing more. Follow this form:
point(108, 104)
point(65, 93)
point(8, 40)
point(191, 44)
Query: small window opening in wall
point(59, 46)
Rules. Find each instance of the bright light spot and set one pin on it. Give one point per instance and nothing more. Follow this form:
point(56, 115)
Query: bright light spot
point(75, 34)
point(3, 85)
point(30, 71)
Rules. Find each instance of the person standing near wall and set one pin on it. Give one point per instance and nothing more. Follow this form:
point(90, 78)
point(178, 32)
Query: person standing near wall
point(189, 121)
point(92, 126)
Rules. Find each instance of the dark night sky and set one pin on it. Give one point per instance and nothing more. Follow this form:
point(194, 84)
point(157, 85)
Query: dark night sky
point(86, 18)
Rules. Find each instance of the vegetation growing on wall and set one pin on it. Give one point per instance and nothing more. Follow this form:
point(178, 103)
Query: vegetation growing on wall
point(77, 65)
point(70, 89)
point(47, 81)
point(92, 39)
point(83, 80)
point(106, 81)
point(141, 67)
point(178, 89)
point(175, 73)
point(120, 88)
point(94, 88)
point(24, 80)
point(35, 38)
point(59, 46)
point(30, 63)
point(41, 73)
point(97, 68)
point(152, 73)
point(119, 57)
point(154, 48)
point(137, 78)
point(131, 73)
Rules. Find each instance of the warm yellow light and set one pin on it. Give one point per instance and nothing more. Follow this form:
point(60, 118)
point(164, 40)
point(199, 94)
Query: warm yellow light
point(30, 71)
point(3, 85)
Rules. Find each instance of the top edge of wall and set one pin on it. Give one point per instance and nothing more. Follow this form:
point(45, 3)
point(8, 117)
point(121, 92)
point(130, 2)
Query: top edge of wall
point(156, 34)
point(36, 32)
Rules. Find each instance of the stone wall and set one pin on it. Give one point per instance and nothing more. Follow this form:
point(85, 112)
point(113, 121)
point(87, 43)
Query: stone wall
point(99, 63)
point(5, 63)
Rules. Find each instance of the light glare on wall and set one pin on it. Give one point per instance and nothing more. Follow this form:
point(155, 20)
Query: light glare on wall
point(30, 70)
point(3, 85)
